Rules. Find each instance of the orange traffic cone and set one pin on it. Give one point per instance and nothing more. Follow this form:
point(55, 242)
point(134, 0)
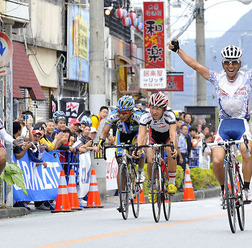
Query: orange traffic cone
point(188, 189)
point(94, 200)
point(141, 195)
point(62, 201)
point(72, 192)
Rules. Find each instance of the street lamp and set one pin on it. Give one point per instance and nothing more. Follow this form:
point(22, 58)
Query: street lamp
point(108, 9)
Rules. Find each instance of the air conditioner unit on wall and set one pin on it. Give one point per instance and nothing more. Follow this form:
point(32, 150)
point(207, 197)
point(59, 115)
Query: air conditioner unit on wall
point(18, 11)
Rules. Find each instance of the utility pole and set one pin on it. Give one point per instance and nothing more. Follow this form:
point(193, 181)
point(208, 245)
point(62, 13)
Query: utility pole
point(169, 62)
point(97, 69)
point(200, 52)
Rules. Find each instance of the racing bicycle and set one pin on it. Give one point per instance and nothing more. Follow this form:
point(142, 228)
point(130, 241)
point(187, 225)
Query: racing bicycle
point(159, 181)
point(233, 184)
point(129, 187)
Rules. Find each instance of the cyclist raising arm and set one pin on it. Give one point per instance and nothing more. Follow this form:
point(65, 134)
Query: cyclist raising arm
point(233, 89)
point(126, 119)
point(162, 129)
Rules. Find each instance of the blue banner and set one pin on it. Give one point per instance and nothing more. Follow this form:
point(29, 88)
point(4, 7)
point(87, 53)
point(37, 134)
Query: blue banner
point(41, 183)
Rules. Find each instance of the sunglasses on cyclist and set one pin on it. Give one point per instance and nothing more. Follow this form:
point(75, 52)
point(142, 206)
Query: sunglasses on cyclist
point(231, 62)
point(124, 112)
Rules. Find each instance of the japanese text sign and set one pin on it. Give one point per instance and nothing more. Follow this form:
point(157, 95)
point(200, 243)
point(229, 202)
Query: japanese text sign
point(154, 35)
point(153, 78)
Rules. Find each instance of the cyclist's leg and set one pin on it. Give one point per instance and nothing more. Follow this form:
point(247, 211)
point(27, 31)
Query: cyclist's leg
point(141, 162)
point(172, 167)
point(219, 153)
point(218, 161)
point(150, 156)
point(119, 153)
point(246, 164)
point(150, 153)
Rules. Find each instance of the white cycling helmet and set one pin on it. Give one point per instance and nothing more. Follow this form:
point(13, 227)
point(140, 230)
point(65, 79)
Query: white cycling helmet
point(231, 52)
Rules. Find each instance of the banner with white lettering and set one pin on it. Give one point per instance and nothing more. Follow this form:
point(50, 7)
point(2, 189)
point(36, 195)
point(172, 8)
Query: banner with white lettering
point(41, 183)
point(111, 170)
point(84, 174)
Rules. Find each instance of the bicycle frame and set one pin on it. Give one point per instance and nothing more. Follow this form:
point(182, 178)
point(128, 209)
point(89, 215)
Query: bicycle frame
point(233, 182)
point(129, 189)
point(159, 193)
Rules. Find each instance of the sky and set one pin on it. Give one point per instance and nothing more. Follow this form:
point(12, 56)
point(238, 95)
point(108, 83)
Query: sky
point(219, 17)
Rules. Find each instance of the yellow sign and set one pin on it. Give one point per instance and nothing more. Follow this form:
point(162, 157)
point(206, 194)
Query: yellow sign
point(80, 38)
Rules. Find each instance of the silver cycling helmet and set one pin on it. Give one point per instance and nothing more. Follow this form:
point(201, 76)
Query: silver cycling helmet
point(231, 52)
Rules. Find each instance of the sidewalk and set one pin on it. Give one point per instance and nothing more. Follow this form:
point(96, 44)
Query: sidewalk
point(10, 212)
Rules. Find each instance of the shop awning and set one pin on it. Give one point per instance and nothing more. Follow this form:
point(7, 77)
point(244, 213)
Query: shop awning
point(23, 75)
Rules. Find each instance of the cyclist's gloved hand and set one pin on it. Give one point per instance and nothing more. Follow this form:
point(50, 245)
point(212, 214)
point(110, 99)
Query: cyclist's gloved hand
point(175, 44)
point(139, 154)
point(101, 143)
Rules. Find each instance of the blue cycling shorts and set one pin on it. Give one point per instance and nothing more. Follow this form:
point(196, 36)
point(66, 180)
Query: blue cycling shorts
point(232, 129)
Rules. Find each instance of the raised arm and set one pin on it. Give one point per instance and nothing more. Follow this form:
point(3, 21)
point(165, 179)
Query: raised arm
point(193, 63)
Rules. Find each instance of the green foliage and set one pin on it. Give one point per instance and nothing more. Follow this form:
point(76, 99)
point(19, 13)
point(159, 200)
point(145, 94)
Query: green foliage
point(179, 177)
point(12, 174)
point(202, 178)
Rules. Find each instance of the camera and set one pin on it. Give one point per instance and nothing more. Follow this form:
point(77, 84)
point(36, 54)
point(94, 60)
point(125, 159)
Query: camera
point(26, 117)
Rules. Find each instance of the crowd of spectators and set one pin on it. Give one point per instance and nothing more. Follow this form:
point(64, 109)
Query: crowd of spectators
point(55, 134)
point(190, 143)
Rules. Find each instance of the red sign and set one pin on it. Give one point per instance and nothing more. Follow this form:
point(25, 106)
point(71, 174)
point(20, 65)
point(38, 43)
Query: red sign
point(154, 35)
point(6, 49)
point(174, 83)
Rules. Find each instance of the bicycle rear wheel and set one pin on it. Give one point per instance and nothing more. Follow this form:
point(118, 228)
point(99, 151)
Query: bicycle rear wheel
point(124, 190)
point(230, 197)
point(135, 191)
point(239, 204)
point(166, 198)
point(156, 192)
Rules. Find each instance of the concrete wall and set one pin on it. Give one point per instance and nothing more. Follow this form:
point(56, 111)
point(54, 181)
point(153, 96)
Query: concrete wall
point(47, 59)
point(47, 27)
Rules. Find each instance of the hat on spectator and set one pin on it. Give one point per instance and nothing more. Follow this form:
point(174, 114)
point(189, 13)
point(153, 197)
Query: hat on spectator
point(75, 121)
point(36, 132)
point(93, 130)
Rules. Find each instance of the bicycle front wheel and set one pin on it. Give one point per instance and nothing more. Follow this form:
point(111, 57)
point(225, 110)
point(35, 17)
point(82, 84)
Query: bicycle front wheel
point(239, 201)
point(124, 190)
point(156, 191)
point(135, 191)
point(230, 197)
point(166, 198)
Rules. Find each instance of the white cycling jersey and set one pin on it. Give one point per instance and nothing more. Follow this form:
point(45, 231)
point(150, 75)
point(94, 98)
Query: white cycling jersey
point(161, 125)
point(233, 97)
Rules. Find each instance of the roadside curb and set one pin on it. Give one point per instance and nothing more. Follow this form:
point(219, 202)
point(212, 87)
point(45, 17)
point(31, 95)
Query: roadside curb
point(10, 212)
point(199, 195)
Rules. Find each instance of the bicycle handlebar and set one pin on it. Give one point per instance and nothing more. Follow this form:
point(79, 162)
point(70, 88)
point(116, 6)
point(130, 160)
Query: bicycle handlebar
point(123, 146)
point(227, 143)
point(157, 146)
